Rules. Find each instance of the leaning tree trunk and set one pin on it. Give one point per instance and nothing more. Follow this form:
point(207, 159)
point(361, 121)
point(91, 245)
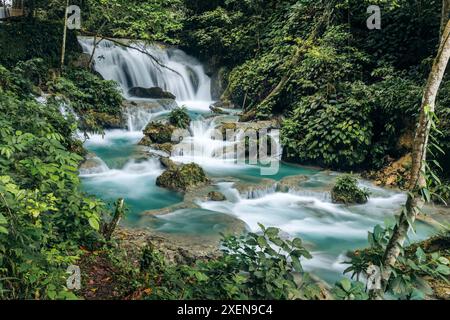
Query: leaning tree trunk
point(417, 181)
point(445, 15)
point(63, 49)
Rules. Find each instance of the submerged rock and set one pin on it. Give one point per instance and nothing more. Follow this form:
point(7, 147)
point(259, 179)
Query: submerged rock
point(182, 178)
point(150, 93)
point(216, 196)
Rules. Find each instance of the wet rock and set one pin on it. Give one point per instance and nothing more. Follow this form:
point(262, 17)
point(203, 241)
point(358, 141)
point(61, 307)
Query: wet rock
point(223, 104)
point(216, 196)
point(217, 110)
point(157, 133)
point(256, 190)
point(182, 178)
point(219, 82)
point(150, 93)
point(167, 163)
point(92, 165)
point(154, 105)
point(291, 183)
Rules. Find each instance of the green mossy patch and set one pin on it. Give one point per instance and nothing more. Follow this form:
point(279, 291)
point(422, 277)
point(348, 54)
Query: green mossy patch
point(182, 178)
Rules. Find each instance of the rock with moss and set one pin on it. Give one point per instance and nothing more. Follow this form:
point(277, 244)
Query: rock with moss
point(347, 191)
point(168, 163)
point(157, 133)
point(182, 178)
point(217, 110)
point(216, 196)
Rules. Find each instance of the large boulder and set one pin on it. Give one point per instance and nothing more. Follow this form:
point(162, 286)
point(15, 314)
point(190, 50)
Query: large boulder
point(150, 93)
point(182, 178)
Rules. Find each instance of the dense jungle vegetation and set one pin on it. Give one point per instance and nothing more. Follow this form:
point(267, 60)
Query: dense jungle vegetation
point(347, 98)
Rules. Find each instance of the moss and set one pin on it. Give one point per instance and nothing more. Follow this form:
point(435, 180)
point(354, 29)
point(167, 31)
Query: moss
point(182, 178)
point(157, 132)
point(346, 191)
point(216, 196)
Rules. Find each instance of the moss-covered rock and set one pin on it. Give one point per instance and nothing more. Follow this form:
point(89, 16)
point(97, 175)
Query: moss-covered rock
point(104, 120)
point(157, 132)
point(216, 196)
point(168, 163)
point(217, 110)
point(347, 191)
point(182, 178)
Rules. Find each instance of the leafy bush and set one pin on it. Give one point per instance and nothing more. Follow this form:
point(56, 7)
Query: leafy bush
point(179, 118)
point(333, 132)
point(347, 191)
point(419, 263)
point(97, 102)
point(44, 216)
point(31, 39)
point(254, 266)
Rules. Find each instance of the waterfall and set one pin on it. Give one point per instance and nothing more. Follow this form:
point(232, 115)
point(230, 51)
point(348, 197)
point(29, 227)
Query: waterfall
point(132, 68)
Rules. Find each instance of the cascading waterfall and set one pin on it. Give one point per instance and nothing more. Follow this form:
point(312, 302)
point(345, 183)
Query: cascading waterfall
point(305, 211)
point(132, 68)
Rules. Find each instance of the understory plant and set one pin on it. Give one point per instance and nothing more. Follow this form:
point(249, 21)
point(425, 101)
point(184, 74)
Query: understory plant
point(347, 191)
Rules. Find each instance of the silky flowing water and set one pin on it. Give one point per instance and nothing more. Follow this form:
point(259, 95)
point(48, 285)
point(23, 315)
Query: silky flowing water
point(329, 230)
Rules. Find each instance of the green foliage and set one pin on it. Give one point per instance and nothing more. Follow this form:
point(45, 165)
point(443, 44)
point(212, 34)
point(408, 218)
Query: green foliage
point(97, 102)
point(179, 118)
point(334, 132)
point(347, 191)
point(349, 290)
point(44, 216)
point(254, 266)
point(417, 264)
point(31, 39)
point(152, 21)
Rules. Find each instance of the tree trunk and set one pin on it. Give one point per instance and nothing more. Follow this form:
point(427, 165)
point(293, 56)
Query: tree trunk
point(417, 181)
point(298, 54)
point(118, 214)
point(445, 15)
point(63, 49)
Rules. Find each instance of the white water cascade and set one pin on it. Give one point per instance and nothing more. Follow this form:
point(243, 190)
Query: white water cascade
point(133, 68)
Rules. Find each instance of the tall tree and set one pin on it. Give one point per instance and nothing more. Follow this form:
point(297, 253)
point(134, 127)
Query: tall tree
point(417, 183)
point(445, 14)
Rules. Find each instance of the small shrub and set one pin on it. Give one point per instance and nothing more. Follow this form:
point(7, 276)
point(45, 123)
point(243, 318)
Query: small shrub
point(346, 191)
point(179, 117)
